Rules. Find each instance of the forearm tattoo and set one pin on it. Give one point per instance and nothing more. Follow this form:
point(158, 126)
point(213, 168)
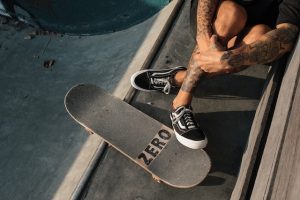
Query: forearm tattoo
point(267, 49)
point(192, 76)
point(205, 14)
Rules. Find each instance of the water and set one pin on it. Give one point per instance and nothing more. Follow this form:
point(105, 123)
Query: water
point(90, 16)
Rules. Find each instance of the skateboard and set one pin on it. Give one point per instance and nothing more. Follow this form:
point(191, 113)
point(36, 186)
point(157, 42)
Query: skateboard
point(142, 139)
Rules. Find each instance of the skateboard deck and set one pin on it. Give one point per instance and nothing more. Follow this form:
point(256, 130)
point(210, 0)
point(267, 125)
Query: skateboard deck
point(142, 139)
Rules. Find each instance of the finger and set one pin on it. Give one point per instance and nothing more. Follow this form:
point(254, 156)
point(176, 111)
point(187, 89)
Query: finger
point(214, 43)
point(213, 38)
point(204, 68)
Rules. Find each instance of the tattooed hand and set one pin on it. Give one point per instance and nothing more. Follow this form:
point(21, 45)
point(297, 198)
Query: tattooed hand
point(211, 61)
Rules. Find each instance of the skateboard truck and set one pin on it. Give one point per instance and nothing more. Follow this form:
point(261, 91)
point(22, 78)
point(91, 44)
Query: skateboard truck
point(89, 132)
point(156, 178)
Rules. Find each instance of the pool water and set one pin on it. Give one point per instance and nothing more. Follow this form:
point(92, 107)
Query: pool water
point(90, 16)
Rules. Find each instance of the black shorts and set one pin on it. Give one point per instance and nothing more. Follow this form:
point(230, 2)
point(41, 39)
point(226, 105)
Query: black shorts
point(262, 12)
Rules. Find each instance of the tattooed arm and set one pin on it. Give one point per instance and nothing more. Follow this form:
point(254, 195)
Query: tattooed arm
point(205, 14)
point(268, 48)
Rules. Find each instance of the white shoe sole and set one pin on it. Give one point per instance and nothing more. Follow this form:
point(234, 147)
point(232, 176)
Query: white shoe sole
point(191, 143)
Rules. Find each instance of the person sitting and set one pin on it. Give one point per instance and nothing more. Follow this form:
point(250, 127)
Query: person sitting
point(231, 36)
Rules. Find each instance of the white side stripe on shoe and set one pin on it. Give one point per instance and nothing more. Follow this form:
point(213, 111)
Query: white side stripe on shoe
point(181, 126)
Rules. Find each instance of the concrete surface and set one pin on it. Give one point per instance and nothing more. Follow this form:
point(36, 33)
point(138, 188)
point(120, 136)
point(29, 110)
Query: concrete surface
point(44, 154)
point(224, 106)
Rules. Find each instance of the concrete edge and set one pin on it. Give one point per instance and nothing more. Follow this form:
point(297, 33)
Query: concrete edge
point(82, 165)
point(93, 163)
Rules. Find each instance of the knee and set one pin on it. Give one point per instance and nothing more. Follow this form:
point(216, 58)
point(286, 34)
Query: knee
point(255, 33)
point(259, 29)
point(230, 19)
point(230, 11)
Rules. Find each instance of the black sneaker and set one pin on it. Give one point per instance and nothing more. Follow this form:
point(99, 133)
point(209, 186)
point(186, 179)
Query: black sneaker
point(186, 129)
point(155, 79)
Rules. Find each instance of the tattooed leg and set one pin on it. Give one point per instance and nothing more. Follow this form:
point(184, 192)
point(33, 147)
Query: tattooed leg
point(192, 77)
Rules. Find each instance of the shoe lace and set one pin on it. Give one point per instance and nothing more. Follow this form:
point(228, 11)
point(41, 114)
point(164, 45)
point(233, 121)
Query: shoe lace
point(187, 116)
point(162, 82)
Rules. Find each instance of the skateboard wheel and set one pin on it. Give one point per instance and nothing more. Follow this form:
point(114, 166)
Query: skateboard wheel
point(156, 178)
